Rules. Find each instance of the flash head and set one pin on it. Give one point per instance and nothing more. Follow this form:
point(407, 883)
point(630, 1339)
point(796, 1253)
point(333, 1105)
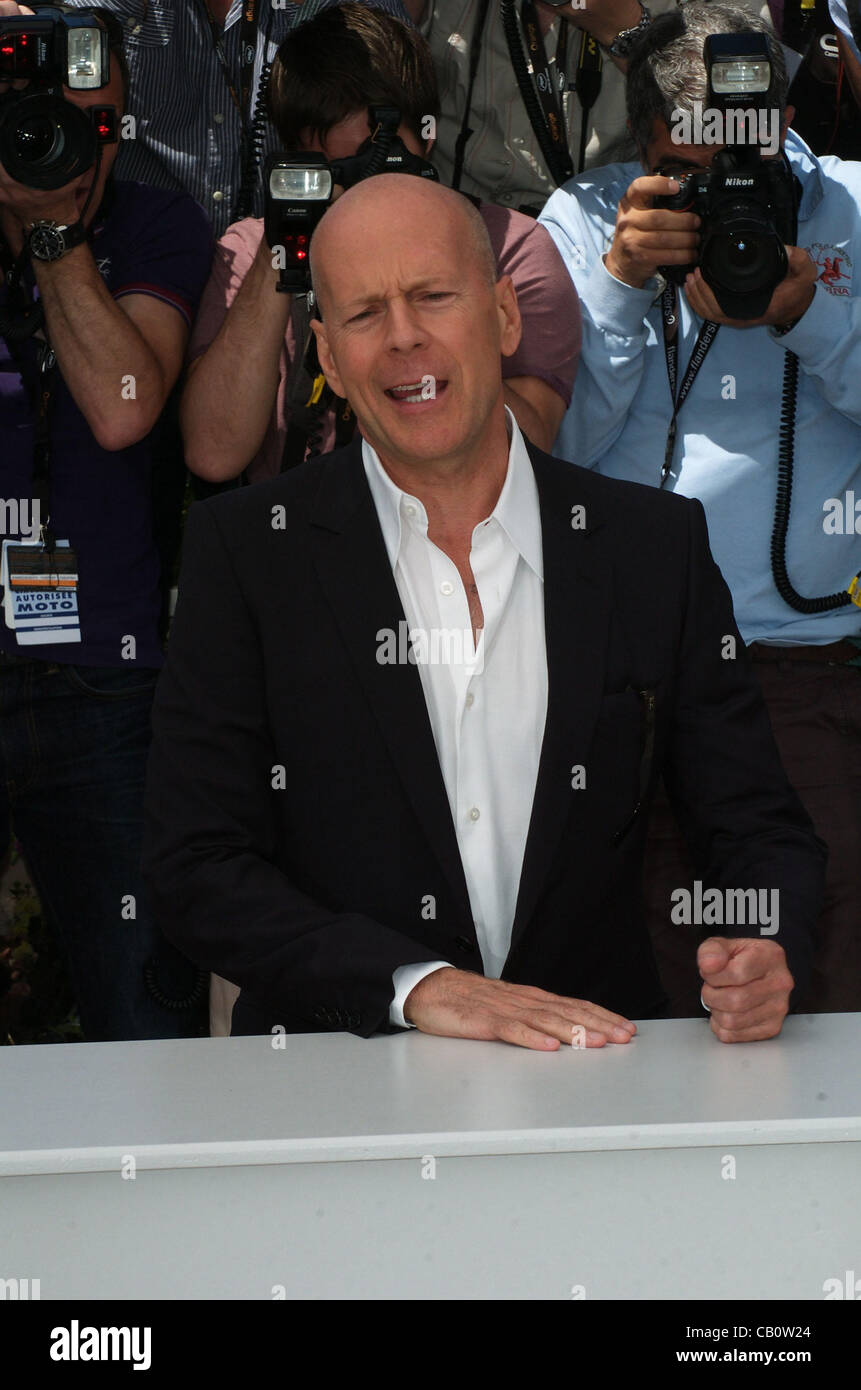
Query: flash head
point(738, 68)
point(55, 45)
point(295, 179)
point(298, 189)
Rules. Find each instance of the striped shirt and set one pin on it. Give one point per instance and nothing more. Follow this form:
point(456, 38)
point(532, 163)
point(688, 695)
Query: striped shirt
point(187, 130)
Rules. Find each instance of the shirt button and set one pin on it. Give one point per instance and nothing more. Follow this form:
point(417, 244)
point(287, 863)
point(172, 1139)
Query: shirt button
point(410, 510)
point(217, 196)
point(446, 587)
point(218, 117)
point(470, 700)
point(474, 813)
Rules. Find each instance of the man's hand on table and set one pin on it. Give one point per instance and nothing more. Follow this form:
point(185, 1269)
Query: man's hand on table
point(747, 987)
point(458, 1004)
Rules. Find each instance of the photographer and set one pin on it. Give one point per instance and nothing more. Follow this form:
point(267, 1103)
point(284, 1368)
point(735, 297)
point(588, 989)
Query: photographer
point(200, 124)
point(512, 136)
point(777, 371)
point(244, 345)
point(99, 281)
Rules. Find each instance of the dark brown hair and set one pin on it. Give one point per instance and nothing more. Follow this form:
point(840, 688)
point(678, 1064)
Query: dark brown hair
point(347, 58)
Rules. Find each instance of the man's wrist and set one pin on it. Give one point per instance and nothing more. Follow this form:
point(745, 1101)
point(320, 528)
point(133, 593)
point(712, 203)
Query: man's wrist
point(617, 274)
point(48, 240)
point(619, 36)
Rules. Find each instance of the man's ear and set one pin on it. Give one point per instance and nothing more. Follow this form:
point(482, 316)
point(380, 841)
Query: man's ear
point(509, 316)
point(327, 362)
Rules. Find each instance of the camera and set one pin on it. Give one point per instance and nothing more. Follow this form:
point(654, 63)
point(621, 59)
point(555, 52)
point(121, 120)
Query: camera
point(747, 205)
point(298, 189)
point(46, 141)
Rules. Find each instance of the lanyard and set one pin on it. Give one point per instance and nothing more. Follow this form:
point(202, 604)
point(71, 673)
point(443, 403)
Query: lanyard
point(549, 91)
point(705, 338)
point(247, 54)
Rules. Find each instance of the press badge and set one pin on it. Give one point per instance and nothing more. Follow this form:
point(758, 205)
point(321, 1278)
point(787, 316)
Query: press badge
point(40, 592)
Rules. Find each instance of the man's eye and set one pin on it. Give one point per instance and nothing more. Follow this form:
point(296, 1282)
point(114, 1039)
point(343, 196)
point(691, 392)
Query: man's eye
point(437, 294)
point(363, 314)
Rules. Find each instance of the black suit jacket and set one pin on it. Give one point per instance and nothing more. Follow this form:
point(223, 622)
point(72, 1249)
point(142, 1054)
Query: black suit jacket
point(297, 819)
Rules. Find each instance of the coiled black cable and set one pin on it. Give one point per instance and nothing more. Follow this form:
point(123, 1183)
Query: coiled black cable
point(785, 461)
point(254, 147)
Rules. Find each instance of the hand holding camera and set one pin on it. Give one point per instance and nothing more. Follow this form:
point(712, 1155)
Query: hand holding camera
point(647, 237)
point(790, 300)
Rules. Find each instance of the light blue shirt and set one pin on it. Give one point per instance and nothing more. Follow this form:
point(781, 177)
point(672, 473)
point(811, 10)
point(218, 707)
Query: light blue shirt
point(726, 451)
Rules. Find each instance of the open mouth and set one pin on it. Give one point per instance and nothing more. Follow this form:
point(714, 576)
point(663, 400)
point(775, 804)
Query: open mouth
point(422, 392)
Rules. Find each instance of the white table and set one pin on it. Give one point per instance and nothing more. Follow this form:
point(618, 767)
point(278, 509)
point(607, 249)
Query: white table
point(418, 1167)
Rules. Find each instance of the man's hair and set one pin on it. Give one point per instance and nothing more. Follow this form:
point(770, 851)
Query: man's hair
point(666, 71)
point(344, 60)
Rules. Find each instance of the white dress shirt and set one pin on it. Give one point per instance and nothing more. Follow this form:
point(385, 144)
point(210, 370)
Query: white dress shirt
point(487, 705)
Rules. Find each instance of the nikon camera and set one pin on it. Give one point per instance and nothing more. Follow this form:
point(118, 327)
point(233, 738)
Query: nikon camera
point(45, 140)
point(747, 205)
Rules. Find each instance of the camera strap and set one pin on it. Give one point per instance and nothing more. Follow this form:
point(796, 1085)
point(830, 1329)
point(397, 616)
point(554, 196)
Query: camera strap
point(705, 338)
point(465, 131)
point(549, 90)
point(545, 111)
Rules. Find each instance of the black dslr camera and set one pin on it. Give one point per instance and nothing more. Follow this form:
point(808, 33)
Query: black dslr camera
point(46, 141)
point(747, 205)
point(298, 189)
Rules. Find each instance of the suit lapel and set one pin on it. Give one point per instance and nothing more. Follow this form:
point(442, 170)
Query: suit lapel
point(354, 571)
point(577, 596)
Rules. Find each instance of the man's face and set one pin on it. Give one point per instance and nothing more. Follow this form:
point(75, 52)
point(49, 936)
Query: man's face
point(110, 95)
point(345, 139)
point(405, 304)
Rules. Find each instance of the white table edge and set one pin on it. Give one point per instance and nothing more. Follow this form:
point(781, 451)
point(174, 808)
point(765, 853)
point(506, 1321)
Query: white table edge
point(440, 1144)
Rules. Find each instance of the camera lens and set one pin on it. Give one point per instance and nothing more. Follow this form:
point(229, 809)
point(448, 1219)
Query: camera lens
point(743, 254)
point(37, 139)
point(45, 142)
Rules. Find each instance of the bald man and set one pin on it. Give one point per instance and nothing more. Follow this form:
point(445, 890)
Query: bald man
point(419, 690)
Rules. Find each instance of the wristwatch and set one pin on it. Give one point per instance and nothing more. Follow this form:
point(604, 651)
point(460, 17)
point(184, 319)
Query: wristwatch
point(624, 42)
point(49, 241)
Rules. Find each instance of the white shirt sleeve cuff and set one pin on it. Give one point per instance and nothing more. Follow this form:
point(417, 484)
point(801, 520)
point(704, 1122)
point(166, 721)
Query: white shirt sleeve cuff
point(405, 978)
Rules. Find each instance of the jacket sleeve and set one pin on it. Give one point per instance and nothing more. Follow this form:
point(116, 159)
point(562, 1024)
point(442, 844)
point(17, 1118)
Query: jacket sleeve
point(744, 823)
point(210, 853)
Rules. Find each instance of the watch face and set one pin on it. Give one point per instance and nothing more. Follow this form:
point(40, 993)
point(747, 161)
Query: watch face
point(46, 243)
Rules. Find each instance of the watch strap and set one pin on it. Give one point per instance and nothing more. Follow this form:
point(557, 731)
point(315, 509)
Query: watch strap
point(67, 235)
point(624, 41)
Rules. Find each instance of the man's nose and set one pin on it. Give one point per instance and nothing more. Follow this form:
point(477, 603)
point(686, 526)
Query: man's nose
point(404, 331)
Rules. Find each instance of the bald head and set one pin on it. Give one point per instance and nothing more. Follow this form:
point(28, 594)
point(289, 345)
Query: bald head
point(355, 225)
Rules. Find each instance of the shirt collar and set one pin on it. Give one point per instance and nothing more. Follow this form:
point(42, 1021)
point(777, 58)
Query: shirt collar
point(517, 510)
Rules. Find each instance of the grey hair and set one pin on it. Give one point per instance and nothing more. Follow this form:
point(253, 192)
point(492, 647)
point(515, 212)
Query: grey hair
point(666, 73)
